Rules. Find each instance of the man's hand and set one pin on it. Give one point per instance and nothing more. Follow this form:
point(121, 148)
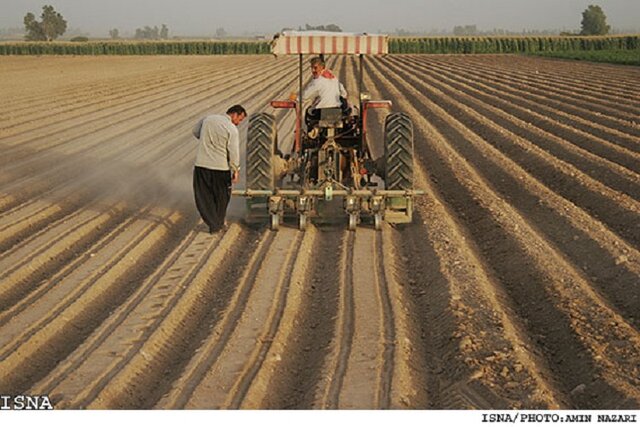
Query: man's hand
point(293, 96)
point(235, 177)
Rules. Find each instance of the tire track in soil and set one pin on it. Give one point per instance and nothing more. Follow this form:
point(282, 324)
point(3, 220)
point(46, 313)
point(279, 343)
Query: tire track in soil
point(36, 340)
point(358, 369)
point(78, 379)
point(212, 296)
point(294, 364)
point(565, 329)
point(227, 363)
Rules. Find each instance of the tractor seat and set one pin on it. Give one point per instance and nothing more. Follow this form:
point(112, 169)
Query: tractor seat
point(330, 118)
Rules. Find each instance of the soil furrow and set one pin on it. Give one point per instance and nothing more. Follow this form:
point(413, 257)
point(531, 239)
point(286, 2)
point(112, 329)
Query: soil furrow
point(220, 372)
point(121, 336)
point(455, 349)
point(75, 108)
point(89, 84)
point(592, 135)
point(28, 265)
point(592, 196)
point(166, 354)
point(557, 73)
point(131, 111)
point(587, 244)
point(608, 172)
point(299, 357)
point(564, 329)
point(536, 87)
point(38, 348)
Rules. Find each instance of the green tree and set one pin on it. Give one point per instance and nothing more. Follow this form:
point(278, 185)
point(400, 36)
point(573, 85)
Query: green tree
point(114, 33)
point(51, 26)
point(594, 22)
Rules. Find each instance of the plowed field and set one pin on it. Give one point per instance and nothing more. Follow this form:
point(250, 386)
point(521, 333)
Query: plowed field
point(517, 285)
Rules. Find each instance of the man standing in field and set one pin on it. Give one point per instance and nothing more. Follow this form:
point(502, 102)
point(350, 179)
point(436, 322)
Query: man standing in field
point(217, 164)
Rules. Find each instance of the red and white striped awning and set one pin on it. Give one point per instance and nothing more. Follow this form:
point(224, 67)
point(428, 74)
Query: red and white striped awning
point(317, 42)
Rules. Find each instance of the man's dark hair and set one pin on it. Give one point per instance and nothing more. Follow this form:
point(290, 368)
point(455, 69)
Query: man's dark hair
point(317, 60)
point(237, 109)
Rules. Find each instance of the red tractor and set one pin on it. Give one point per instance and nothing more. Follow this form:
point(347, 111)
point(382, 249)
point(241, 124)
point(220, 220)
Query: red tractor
point(330, 167)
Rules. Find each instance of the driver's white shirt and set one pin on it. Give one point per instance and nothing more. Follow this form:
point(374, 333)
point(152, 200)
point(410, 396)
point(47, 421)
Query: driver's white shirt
point(325, 92)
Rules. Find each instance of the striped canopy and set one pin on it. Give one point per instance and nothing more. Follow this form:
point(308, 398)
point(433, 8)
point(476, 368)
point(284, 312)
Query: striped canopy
point(317, 42)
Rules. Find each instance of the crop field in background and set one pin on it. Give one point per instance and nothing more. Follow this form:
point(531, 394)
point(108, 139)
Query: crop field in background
point(515, 287)
point(623, 57)
point(444, 45)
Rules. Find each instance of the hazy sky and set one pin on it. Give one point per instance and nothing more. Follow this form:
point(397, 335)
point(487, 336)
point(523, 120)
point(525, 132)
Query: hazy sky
point(202, 17)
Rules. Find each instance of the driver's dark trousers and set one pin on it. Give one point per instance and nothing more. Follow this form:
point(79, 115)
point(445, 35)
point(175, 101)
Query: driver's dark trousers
point(212, 191)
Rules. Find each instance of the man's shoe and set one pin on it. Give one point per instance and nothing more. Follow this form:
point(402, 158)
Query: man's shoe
point(225, 227)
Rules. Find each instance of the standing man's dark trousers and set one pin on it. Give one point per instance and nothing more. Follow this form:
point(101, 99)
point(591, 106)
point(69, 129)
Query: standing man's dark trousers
point(212, 190)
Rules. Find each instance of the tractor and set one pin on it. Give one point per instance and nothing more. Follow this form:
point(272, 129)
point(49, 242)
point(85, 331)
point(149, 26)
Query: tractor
point(329, 171)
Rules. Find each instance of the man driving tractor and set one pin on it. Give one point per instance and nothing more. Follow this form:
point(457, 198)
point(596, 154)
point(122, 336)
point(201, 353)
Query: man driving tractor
point(324, 90)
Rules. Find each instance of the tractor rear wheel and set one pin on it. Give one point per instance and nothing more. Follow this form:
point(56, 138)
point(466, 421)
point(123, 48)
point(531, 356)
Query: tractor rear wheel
point(261, 147)
point(398, 152)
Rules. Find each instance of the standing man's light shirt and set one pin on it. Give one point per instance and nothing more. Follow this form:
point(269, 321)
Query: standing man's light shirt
point(219, 147)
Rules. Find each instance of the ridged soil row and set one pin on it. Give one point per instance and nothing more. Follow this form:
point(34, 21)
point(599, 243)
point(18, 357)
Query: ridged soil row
point(462, 345)
point(52, 246)
point(600, 253)
point(359, 364)
point(30, 263)
point(161, 141)
point(34, 341)
point(81, 101)
point(215, 298)
point(588, 134)
point(584, 79)
point(589, 116)
point(101, 141)
point(621, 104)
point(602, 94)
point(229, 361)
point(294, 364)
point(71, 79)
point(568, 319)
point(34, 285)
point(104, 117)
point(40, 214)
point(77, 380)
point(611, 207)
point(599, 167)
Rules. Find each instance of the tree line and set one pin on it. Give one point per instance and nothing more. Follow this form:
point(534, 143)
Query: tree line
point(52, 25)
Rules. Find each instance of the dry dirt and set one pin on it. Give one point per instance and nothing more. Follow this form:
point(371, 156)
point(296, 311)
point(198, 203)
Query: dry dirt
point(517, 285)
